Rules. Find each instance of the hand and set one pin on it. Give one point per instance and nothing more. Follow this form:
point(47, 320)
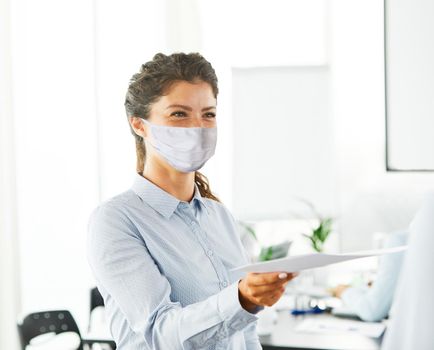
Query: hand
point(262, 289)
point(338, 290)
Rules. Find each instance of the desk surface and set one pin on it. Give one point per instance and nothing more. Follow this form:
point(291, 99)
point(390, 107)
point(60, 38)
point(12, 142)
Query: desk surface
point(285, 337)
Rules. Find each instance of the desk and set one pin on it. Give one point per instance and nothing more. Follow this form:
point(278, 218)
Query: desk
point(284, 337)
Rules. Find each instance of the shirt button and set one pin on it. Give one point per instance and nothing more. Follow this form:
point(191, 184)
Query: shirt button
point(209, 252)
point(224, 284)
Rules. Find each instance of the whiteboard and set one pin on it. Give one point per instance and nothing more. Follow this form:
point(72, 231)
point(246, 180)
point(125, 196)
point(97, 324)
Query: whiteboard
point(409, 72)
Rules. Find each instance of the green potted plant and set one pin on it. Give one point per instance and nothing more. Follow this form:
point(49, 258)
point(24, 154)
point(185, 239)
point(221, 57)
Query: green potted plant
point(270, 252)
point(320, 234)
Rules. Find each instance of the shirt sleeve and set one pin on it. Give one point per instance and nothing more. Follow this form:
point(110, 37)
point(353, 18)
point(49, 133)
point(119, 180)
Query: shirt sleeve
point(244, 254)
point(373, 304)
point(121, 262)
point(251, 336)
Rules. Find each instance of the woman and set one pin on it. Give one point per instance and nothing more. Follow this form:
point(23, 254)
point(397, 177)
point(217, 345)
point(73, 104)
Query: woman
point(161, 252)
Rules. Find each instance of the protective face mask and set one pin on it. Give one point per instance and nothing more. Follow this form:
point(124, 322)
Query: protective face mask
point(185, 149)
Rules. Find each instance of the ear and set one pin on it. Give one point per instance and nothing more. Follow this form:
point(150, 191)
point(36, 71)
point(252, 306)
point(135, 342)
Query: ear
point(138, 126)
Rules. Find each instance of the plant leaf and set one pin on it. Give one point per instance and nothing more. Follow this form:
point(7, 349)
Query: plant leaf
point(249, 229)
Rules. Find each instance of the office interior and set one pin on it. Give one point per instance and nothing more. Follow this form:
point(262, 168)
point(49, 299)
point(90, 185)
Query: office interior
point(325, 110)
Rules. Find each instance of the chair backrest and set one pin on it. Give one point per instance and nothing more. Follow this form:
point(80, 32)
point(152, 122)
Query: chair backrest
point(96, 299)
point(38, 323)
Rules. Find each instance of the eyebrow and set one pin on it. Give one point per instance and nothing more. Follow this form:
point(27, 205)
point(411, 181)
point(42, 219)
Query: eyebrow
point(189, 108)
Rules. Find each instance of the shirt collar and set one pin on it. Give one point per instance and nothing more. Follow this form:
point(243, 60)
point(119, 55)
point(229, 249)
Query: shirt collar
point(160, 200)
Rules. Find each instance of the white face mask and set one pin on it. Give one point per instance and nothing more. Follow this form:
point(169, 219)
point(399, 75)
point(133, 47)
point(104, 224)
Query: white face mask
point(185, 149)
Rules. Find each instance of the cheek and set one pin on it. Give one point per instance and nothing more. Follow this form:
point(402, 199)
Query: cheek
point(211, 123)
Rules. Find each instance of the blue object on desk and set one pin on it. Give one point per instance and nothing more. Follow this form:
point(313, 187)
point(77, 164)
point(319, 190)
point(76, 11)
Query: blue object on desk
point(314, 310)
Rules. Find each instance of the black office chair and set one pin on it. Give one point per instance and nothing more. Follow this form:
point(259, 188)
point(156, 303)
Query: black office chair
point(38, 323)
point(54, 321)
point(96, 299)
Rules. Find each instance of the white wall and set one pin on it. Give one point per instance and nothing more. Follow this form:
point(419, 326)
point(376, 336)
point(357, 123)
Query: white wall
point(354, 184)
point(56, 153)
point(370, 199)
point(10, 293)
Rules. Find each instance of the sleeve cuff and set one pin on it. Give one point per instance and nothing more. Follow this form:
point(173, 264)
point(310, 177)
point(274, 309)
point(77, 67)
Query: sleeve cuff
point(231, 311)
point(257, 309)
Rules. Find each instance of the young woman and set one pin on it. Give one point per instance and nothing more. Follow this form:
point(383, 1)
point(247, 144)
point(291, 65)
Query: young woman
point(161, 252)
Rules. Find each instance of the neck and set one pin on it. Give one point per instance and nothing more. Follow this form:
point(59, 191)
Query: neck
point(178, 184)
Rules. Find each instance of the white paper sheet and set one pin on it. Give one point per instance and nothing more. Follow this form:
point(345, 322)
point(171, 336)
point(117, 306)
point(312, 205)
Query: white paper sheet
point(309, 261)
point(336, 326)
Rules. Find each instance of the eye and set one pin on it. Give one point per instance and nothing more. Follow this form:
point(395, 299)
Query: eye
point(178, 114)
point(210, 115)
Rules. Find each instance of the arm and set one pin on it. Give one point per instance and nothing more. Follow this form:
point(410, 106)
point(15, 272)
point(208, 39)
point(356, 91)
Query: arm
point(122, 264)
point(373, 304)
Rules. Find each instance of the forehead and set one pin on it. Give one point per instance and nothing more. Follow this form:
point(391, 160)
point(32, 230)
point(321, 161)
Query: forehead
point(186, 92)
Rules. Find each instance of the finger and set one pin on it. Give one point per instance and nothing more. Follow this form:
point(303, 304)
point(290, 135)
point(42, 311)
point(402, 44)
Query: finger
point(292, 275)
point(260, 279)
point(257, 291)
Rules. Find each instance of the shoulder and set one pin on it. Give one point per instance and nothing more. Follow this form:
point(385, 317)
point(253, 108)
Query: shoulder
point(111, 216)
point(114, 206)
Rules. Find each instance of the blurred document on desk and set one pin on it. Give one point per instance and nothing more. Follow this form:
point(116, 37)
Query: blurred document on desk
point(309, 261)
point(334, 326)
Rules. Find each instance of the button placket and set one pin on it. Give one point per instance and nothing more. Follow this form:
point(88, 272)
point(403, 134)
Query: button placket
point(201, 237)
point(215, 261)
point(224, 284)
point(222, 274)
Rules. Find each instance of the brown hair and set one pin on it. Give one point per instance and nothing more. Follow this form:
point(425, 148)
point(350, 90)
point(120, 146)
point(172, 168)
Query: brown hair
point(153, 80)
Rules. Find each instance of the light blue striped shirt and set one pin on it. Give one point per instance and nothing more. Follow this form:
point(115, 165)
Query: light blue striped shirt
point(162, 266)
